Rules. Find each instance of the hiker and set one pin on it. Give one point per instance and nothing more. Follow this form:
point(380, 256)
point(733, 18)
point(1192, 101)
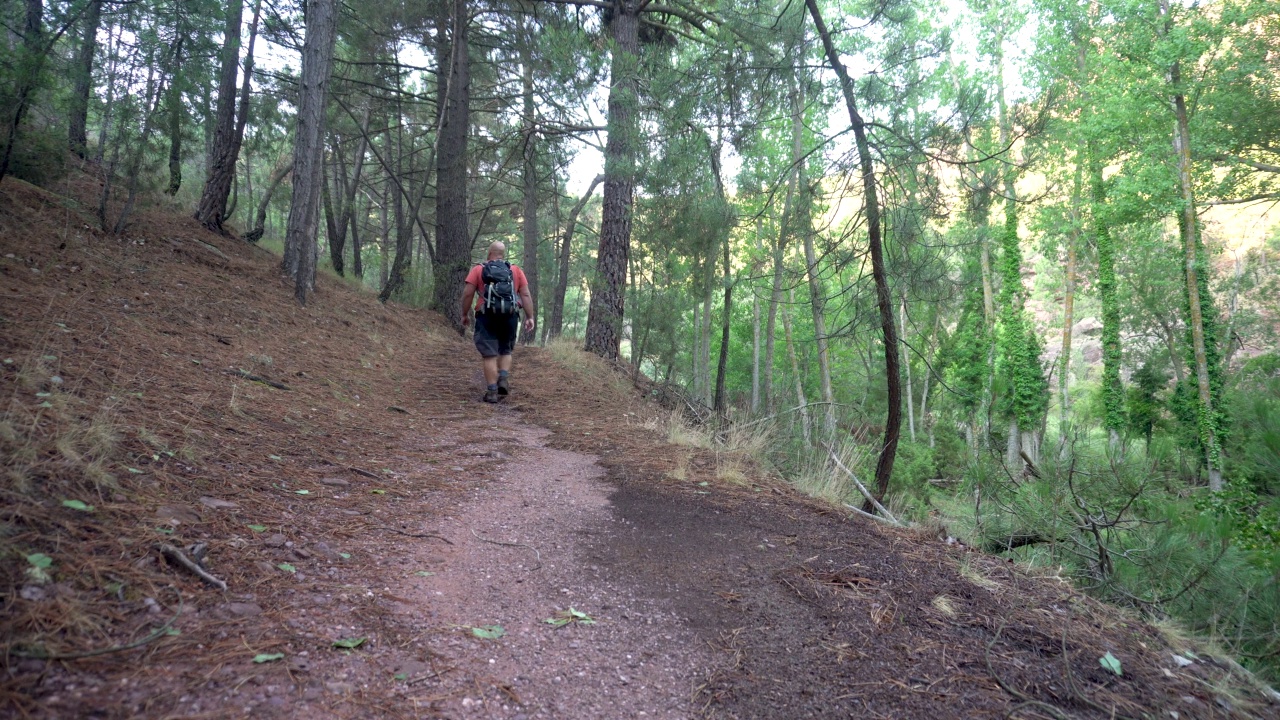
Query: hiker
point(501, 292)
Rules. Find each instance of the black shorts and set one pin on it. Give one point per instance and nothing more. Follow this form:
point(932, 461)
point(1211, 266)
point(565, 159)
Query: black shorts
point(496, 334)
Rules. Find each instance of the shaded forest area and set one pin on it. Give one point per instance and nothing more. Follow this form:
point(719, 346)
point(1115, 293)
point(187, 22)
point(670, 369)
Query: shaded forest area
point(1003, 266)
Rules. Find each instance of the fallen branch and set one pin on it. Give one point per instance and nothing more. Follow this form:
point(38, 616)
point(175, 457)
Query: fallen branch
point(256, 378)
point(160, 632)
point(365, 473)
point(175, 555)
point(406, 533)
point(865, 492)
point(877, 518)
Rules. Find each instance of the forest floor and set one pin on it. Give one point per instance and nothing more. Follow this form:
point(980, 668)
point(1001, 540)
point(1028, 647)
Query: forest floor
point(368, 499)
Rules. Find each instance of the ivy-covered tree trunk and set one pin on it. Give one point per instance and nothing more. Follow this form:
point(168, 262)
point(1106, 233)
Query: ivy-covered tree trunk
point(82, 74)
point(884, 301)
point(608, 297)
point(453, 227)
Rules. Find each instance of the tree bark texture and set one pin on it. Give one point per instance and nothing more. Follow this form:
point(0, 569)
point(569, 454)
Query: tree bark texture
point(722, 366)
point(608, 291)
point(893, 421)
point(260, 221)
point(82, 87)
point(453, 234)
point(222, 162)
point(529, 174)
point(308, 149)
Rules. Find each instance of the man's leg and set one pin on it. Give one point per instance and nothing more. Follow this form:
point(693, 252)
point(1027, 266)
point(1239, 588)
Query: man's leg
point(491, 366)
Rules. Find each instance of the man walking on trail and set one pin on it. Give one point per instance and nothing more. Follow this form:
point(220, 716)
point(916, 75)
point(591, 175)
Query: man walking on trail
point(501, 291)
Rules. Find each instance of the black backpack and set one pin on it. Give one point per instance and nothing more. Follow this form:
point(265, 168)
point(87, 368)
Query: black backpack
point(498, 288)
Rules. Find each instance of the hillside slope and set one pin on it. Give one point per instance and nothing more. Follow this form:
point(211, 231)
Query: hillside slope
point(335, 469)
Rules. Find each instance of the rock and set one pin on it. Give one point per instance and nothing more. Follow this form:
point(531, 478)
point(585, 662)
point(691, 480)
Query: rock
point(311, 693)
point(340, 688)
point(218, 504)
point(274, 541)
point(323, 550)
point(34, 593)
point(177, 514)
point(242, 609)
point(334, 482)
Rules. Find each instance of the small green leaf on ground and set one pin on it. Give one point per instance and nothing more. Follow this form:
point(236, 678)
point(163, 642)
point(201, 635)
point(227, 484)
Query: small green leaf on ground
point(258, 528)
point(287, 568)
point(50, 358)
point(275, 457)
point(401, 677)
point(565, 617)
point(345, 556)
point(134, 470)
point(704, 483)
point(77, 505)
point(303, 492)
point(44, 394)
point(349, 643)
point(40, 560)
point(165, 530)
point(45, 404)
point(378, 492)
point(1111, 663)
point(488, 632)
point(173, 632)
point(424, 573)
point(267, 657)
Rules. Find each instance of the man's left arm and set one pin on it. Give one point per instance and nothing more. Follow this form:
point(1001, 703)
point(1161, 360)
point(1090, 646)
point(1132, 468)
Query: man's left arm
point(526, 302)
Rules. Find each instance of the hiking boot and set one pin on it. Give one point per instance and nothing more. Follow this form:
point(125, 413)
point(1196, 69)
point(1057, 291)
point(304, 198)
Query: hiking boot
point(491, 396)
point(504, 385)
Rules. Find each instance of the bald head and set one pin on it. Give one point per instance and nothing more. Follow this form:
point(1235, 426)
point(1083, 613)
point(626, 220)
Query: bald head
point(497, 251)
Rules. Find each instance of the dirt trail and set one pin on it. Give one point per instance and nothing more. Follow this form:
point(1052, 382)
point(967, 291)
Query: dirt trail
point(521, 556)
point(365, 497)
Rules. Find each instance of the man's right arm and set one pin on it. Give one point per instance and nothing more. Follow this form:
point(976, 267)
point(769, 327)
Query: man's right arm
point(468, 294)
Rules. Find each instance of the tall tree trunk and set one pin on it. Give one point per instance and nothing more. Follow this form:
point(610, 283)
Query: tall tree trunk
point(779, 247)
point(817, 302)
point(1112, 391)
point(82, 72)
point(755, 338)
point(608, 297)
point(175, 122)
point(300, 246)
point(217, 186)
point(806, 423)
point(529, 173)
point(893, 421)
point(556, 322)
point(357, 250)
point(453, 233)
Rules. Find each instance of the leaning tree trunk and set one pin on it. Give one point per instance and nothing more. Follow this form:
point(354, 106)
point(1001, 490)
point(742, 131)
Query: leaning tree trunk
point(222, 163)
point(82, 71)
point(722, 366)
point(453, 234)
point(260, 221)
point(31, 59)
point(608, 296)
point(308, 148)
point(556, 321)
point(893, 423)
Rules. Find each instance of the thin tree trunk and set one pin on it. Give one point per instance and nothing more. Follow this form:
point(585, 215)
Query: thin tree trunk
point(1068, 317)
point(529, 174)
point(893, 421)
point(300, 246)
point(453, 233)
point(608, 296)
point(175, 118)
point(755, 339)
point(723, 365)
point(911, 413)
point(556, 322)
point(217, 186)
point(259, 226)
point(805, 423)
point(78, 118)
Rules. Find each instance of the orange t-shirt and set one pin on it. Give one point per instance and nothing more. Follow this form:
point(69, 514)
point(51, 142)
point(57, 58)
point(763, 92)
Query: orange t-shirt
point(474, 280)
